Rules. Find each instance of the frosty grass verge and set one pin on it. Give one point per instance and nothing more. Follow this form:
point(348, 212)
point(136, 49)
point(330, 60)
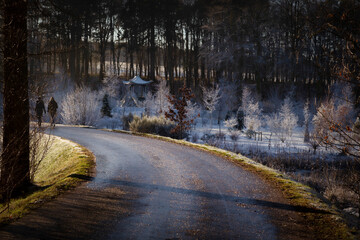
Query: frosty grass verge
point(58, 171)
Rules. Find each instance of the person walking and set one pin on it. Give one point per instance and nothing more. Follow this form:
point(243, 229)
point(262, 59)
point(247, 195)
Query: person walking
point(39, 109)
point(52, 108)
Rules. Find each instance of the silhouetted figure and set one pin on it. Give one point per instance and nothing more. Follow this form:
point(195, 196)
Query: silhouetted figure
point(52, 108)
point(39, 109)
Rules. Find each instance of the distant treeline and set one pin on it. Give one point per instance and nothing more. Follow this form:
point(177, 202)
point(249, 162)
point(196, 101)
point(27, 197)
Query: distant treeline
point(308, 43)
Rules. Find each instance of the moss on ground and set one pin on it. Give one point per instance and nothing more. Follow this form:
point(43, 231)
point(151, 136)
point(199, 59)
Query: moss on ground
point(321, 218)
point(59, 171)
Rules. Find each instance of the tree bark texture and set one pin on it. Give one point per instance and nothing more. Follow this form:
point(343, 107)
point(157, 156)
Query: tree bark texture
point(15, 156)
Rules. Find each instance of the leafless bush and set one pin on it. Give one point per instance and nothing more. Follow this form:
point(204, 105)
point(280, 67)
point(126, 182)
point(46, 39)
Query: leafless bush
point(252, 110)
point(216, 140)
point(39, 146)
point(234, 136)
point(314, 141)
point(161, 101)
point(335, 124)
point(282, 124)
point(220, 136)
point(81, 106)
point(211, 97)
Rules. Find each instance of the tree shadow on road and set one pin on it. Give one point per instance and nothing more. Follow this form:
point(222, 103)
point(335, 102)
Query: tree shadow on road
point(210, 195)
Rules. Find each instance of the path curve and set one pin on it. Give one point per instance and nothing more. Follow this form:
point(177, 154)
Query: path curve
point(150, 189)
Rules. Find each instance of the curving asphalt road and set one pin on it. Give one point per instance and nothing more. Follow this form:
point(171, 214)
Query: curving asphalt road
point(150, 189)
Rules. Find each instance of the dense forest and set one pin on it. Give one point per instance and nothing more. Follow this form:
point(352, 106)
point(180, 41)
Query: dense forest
point(307, 43)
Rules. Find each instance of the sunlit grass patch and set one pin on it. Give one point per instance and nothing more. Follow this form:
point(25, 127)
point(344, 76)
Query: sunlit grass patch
point(56, 173)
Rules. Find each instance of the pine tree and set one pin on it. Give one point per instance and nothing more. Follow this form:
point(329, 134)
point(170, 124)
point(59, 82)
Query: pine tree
point(106, 109)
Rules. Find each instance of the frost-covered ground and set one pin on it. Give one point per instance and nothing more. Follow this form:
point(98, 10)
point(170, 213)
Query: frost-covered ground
point(266, 142)
point(205, 132)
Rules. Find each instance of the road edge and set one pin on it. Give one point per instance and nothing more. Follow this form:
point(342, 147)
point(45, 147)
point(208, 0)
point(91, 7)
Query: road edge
point(325, 221)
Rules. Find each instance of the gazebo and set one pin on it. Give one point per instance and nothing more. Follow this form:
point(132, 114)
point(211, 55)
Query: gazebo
point(135, 89)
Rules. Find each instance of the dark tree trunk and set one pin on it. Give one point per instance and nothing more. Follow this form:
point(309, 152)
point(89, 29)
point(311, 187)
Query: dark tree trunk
point(132, 71)
point(72, 53)
point(118, 57)
point(170, 68)
point(112, 46)
point(77, 55)
point(102, 61)
point(86, 52)
point(15, 156)
point(126, 65)
point(54, 59)
point(152, 53)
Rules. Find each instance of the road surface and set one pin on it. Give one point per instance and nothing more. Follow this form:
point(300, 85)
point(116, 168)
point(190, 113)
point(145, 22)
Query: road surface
point(150, 189)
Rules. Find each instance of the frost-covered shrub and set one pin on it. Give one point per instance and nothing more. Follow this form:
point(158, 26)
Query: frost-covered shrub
point(288, 117)
point(282, 124)
point(231, 124)
point(154, 125)
point(127, 119)
point(161, 100)
point(216, 140)
point(193, 111)
point(251, 110)
point(81, 106)
point(211, 97)
point(274, 123)
point(149, 103)
point(331, 113)
point(333, 122)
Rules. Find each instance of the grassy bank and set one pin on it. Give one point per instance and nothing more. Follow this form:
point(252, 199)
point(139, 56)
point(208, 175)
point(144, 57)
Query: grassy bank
point(321, 218)
point(60, 169)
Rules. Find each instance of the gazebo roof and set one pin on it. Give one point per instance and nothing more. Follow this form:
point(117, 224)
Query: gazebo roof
point(137, 80)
